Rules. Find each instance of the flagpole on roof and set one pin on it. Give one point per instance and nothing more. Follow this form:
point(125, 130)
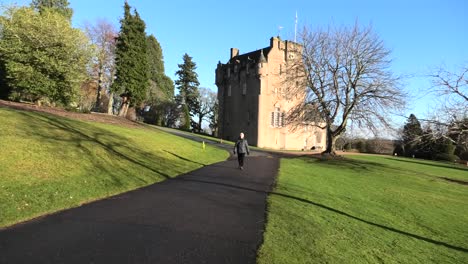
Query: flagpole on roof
point(295, 28)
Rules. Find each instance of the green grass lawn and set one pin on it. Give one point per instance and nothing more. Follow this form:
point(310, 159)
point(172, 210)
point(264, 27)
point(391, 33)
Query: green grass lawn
point(49, 163)
point(367, 209)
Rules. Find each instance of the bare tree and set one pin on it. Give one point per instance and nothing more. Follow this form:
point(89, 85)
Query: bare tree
point(347, 74)
point(206, 102)
point(454, 88)
point(450, 119)
point(103, 35)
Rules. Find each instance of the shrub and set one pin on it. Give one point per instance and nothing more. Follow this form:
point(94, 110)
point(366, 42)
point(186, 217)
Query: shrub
point(446, 157)
point(361, 146)
point(399, 150)
point(348, 146)
point(464, 155)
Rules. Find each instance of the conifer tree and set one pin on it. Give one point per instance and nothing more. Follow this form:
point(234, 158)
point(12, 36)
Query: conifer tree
point(188, 85)
point(161, 86)
point(131, 62)
point(412, 133)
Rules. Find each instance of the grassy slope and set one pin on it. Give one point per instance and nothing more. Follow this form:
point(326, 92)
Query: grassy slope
point(49, 163)
point(368, 209)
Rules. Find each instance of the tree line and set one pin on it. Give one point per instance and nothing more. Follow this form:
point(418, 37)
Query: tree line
point(433, 141)
point(346, 70)
point(44, 60)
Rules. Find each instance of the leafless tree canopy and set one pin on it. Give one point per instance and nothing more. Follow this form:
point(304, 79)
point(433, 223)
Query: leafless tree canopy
point(206, 103)
point(103, 36)
point(347, 73)
point(450, 119)
point(452, 88)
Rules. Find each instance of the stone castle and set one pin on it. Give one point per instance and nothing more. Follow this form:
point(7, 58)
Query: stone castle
point(254, 98)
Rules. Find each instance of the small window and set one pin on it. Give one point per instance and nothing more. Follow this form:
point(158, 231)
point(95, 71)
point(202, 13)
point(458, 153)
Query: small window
point(247, 68)
point(229, 90)
point(277, 118)
point(235, 68)
point(229, 72)
point(244, 88)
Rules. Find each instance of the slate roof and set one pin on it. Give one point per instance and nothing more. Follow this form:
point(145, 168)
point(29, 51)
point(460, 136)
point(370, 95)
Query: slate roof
point(254, 56)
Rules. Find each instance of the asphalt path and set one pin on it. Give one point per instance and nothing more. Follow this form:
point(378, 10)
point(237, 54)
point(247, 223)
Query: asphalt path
point(212, 215)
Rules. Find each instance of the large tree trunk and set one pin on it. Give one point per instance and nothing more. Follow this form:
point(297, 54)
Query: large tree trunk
point(110, 104)
point(97, 107)
point(124, 109)
point(200, 119)
point(125, 104)
point(331, 140)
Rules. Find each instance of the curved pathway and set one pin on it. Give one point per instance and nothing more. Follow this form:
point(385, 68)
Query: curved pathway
point(212, 215)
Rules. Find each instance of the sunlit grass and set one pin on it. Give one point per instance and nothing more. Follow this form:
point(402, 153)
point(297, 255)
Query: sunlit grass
point(49, 163)
point(368, 209)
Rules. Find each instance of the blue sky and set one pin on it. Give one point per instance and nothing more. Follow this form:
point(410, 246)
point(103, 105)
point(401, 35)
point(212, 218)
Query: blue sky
point(421, 34)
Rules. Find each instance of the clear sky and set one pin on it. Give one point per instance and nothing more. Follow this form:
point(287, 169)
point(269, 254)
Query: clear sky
point(422, 34)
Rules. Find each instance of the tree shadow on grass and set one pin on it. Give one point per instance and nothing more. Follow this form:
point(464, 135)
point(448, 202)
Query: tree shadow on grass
point(287, 196)
point(428, 163)
point(42, 126)
point(352, 164)
point(185, 159)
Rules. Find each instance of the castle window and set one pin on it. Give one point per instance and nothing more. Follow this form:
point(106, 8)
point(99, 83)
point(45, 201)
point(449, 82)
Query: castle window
point(244, 88)
point(277, 118)
point(319, 138)
point(247, 68)
point(229, 90)
point(283, 118)
point(235, 68)
point(229, 72)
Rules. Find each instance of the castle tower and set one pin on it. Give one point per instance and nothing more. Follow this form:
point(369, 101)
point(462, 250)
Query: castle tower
point(255, 95)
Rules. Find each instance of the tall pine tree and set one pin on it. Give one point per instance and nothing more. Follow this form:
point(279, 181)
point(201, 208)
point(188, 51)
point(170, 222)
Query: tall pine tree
point(131, 62)
point(161, 86)
point(187, 84)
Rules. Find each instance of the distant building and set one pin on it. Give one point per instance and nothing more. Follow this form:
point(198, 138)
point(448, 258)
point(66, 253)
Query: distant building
point(254, 98)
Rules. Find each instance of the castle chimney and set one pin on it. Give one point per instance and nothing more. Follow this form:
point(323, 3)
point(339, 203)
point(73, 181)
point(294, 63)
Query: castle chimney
point(273, 41)
point(234, 52)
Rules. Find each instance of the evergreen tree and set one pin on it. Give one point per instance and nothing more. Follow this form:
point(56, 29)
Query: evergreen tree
point(161, 87)
point(188, 85)
point(412, 133)
point(60, 6)
point(186, 121)
point(131, 62)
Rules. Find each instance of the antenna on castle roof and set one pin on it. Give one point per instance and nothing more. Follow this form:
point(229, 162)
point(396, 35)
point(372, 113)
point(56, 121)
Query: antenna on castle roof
point(279, 30)
point(295, 28)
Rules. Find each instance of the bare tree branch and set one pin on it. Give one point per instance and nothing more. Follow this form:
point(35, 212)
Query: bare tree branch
point(347, 73)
